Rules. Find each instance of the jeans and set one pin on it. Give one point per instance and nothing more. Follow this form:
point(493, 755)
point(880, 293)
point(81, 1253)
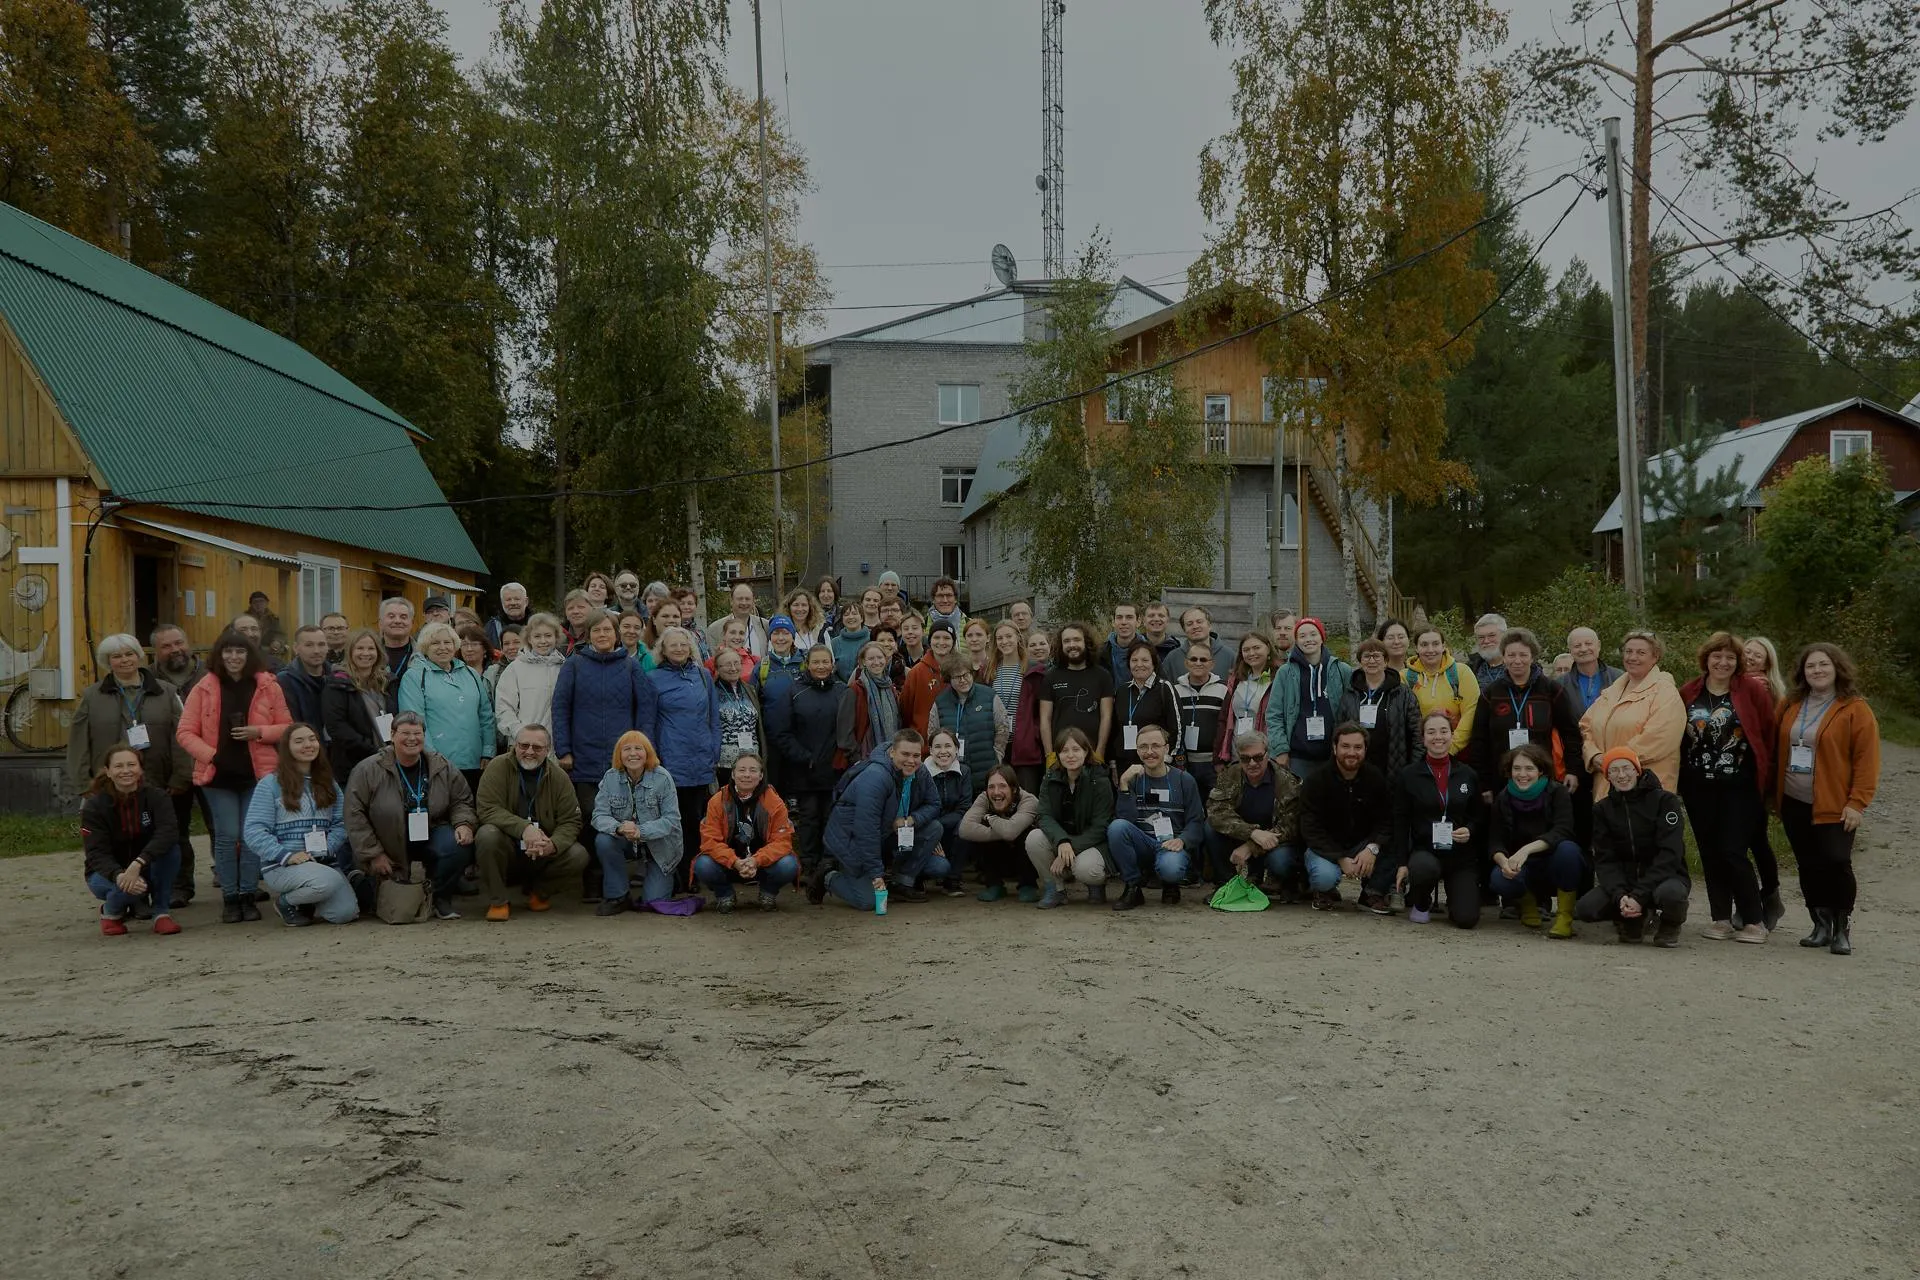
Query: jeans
point(1824, 851)
point(770, 879)
point(445, 859)
point(1555, 871)
point(656, 882)
point(1724, 819)
point(1322, 872)
point(958, 853)
point(1133, 848)
point(317, 884)
point(919, 863)
point(235, 866)
point(159, 876)
point(1460, 869)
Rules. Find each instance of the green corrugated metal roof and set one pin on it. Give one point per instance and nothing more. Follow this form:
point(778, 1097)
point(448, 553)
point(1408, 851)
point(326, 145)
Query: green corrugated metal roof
point(181, 403)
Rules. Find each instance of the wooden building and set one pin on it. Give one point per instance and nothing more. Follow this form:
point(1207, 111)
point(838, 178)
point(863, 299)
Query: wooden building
point(162, 459)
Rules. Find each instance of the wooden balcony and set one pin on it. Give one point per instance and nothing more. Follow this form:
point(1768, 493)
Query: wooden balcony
point(1244, 443)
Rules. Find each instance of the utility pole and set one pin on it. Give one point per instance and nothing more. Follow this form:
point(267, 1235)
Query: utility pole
point(773, 332)
point(1632, 566)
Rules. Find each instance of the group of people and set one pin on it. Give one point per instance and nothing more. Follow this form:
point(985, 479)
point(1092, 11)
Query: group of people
point(881, 753)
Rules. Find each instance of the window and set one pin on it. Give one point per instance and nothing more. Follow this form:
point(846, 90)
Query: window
point(319, 589)
point(1117, 404)
point(1290, 531)
point(725, 571)
point(959, 403)
point(955, 484)
point(953, 561)
point(1271, 387)
point(1218, 412)
point(1844, 444)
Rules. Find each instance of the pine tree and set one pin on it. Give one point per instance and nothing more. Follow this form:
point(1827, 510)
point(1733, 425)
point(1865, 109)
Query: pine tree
point(1697, 549)
point(159, 69)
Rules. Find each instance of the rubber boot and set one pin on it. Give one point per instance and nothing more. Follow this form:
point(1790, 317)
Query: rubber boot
point(1529, 910)
point(1562, 915)
point(1822, 934)
point(1842, 943)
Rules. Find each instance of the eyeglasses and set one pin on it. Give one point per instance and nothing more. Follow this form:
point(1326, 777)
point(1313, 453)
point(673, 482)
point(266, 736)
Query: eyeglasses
point(1196, 660)
point(1252, 759)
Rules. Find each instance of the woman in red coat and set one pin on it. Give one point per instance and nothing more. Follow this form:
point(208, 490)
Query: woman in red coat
point(1726, 762)
point(234, 719)
point(1025, 752)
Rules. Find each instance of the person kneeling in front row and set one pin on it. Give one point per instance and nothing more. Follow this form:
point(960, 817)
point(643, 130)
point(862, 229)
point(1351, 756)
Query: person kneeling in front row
point(636, 815)
point(1346, 822)
point(746, 838)
point(877, 807)
point(1253, 817)
point(529, 824)
point(1639, 854)
point(406, 805)
point(127, 830)
point(1160, 820)
point(296, 825)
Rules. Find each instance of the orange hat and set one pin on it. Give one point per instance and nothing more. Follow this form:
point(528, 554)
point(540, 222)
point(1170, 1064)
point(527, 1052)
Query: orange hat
point(1619, 753)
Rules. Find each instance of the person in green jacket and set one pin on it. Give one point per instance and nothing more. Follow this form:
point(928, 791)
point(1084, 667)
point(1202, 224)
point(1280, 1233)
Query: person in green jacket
point(1076, 804)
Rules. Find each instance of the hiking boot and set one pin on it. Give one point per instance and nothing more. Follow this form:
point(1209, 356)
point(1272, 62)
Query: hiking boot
point(817, 882)
point(1130, 897)
point(1718, 931)
point(768, 902)
point(1822, 934)
point(1169, 895)
point(1842, 944)
point(906, 893)
point(1669, 934)
point(1773, 911)
point(1053, 897)
point(248, 909)
point(1029, 893)
point(498, 912)
point(1097, 893)
point(617, 906)
point(723, 905)
point(1377, 903)
point(1755, 933)
point(992, 893)
point(538, 902)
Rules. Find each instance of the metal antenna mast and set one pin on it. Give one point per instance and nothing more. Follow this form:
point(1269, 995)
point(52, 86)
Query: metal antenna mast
point(1051, 181)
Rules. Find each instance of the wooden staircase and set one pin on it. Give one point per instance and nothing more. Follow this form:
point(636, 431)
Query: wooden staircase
point(1387, 599)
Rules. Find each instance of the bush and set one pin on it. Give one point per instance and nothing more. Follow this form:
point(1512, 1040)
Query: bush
point(1580, 597)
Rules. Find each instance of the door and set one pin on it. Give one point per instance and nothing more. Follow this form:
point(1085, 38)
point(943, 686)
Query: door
point(150, 595)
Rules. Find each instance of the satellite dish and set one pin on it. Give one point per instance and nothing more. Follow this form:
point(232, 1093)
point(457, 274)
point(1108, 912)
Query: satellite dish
point(1004, 266)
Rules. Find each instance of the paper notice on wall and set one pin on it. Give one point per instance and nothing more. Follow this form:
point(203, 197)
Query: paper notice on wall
point(190, 612)
point(210, 605)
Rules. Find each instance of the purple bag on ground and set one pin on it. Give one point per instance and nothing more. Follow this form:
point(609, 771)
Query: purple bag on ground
point(676, 906)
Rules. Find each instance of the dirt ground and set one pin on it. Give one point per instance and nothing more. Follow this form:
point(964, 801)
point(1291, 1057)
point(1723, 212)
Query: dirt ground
point(958, 1090)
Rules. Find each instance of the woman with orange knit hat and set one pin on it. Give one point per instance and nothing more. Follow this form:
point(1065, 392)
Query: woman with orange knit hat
point(636, 815)
point(1639, 853)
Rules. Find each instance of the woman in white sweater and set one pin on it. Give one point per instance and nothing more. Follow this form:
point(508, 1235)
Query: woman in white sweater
point(524, 695)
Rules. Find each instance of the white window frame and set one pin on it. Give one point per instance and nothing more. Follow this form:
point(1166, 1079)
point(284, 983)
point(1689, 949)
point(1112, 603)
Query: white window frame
point(1854, 442)
point(962, 478)
point(953, 556)
point(1216, 412)
point(726, 572)
point(958, 415)
point(311, 567)
point(1292, 516)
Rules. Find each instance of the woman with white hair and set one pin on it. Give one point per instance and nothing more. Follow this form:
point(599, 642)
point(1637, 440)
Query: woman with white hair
point(451, 699)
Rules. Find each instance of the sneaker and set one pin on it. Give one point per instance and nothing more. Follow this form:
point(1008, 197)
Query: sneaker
point(1053, 897)
point(1328, 901)
point(112, 926)
point(535, 902)
point(248, 909)
point(1718, 931)
point(951, 887)
point(610, 907)
point(768, 902)
point(1130, 897)
point(165, 926)
point(498, 912)
point(724, 905)
point(992, 893)
point(1755, 933)
point(1377, 903)
point(1416, 916)
point(1773, 911)
point(290, 915)
point(1509, 910)
point(1169, 895)
point(906, 893)
point(1669, 934)
point(443, 909)
point(1029, 893)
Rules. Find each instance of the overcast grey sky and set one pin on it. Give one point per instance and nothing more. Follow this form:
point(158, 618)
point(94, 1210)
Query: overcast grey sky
point(921, 121)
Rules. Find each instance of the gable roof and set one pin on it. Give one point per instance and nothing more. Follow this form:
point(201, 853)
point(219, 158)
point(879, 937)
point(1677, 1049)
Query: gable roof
point(1750, 452)
point(994, 473)
point(180, 403)
point(997, 318)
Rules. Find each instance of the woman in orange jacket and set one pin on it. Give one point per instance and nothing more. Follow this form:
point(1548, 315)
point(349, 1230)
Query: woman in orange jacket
point(1826, 769)
point(746, 838)
point(231, 725)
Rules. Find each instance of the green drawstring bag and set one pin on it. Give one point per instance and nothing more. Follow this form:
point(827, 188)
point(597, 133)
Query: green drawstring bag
point(1238, 894)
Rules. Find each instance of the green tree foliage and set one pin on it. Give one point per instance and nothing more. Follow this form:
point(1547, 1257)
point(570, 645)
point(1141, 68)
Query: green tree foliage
point(1086, 489)
point(70, 151)
point(1825, 534)
point(158, 68)
point(1697, 550)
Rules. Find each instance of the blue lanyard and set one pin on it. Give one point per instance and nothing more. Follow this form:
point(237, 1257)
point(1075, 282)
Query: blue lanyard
point(416, 795)
point(132, 705)
point(1368, 697)
point(1519, 708)
point(1133, 699)
point(906, 795)
point(1800, 726)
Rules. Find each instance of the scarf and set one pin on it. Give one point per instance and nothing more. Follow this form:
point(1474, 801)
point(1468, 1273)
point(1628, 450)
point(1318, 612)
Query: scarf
point(1518, 792)
point(883, 709)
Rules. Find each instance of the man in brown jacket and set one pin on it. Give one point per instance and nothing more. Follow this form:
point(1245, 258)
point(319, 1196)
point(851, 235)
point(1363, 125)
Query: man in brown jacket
point(408, 805)
point(529, 824)
point(1253, 813)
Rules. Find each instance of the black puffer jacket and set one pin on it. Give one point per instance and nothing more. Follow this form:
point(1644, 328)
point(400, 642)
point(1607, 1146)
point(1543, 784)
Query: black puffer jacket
point(804, 732)
point(1638, 842)
point(1393, 742)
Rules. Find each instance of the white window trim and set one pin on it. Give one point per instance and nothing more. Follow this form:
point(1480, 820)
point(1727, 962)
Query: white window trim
point(321, 607)
point(961, 420)
point(1835, 438)
point(1207, 403)
point(1293, 543)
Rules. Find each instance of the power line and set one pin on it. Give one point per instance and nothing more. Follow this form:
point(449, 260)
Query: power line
point(1519, 275)
point(1103, 386)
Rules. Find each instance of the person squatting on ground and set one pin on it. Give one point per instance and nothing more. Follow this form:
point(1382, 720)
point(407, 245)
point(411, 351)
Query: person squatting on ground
point(406, 805)
point(1076, 810)
point(1436, 821)
point(296, 826)
point(1346, 824)
point(1639, 853)
point(529, 825)
point(1160, 821)
point(131, 843)
point(884, 809)
point(1253, 816)
point(746, 838)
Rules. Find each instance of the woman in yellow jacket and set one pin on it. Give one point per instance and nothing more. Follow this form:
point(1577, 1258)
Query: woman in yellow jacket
point(1826, 769)
point(1641, 711)
point(1441, 684)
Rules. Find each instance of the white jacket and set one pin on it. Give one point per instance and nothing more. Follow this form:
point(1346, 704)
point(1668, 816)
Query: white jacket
point(525, 692)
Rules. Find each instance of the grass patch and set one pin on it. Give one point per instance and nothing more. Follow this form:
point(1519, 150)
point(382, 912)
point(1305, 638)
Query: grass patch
point(1897, 724)
point(22, 835)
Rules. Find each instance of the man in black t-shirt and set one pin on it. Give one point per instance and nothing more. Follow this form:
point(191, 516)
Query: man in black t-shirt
point(1077, 694)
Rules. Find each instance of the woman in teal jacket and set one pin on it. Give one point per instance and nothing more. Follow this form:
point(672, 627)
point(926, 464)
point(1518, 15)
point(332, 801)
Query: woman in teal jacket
point(1306, 692)
point(452, 699)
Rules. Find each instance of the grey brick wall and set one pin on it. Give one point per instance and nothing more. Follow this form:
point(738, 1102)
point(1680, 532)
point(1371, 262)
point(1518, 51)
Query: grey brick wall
point(886, 506)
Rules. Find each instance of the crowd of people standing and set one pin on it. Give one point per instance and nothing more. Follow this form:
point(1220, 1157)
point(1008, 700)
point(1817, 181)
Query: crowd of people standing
point(878, 752)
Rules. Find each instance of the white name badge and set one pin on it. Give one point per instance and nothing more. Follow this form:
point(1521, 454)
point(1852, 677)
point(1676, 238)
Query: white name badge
point(1161, 826)
point(316, 842)
point(417, 825)
point(1243, 724)
point(1129, 736)
point(1192, 737)
point(1800, 759)
point(1369, 716)
point(1316, 728)
point(1161, 795)
point(137, 737)
point(743, 739)
point(1443, 835)
point(1517, 738)
point(903, 838)
point(383, 725)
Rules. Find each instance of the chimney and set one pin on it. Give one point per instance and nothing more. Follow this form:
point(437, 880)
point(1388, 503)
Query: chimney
point(1750, 422)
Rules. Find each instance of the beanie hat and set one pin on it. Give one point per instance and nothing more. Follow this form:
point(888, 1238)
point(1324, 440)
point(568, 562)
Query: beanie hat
point(1313, 622)
point(781, 622)
point(1619, 753)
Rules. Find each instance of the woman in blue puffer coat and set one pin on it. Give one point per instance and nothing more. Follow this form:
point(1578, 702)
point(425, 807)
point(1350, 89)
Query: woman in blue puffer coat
point(687, 730)
point(601, 694)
